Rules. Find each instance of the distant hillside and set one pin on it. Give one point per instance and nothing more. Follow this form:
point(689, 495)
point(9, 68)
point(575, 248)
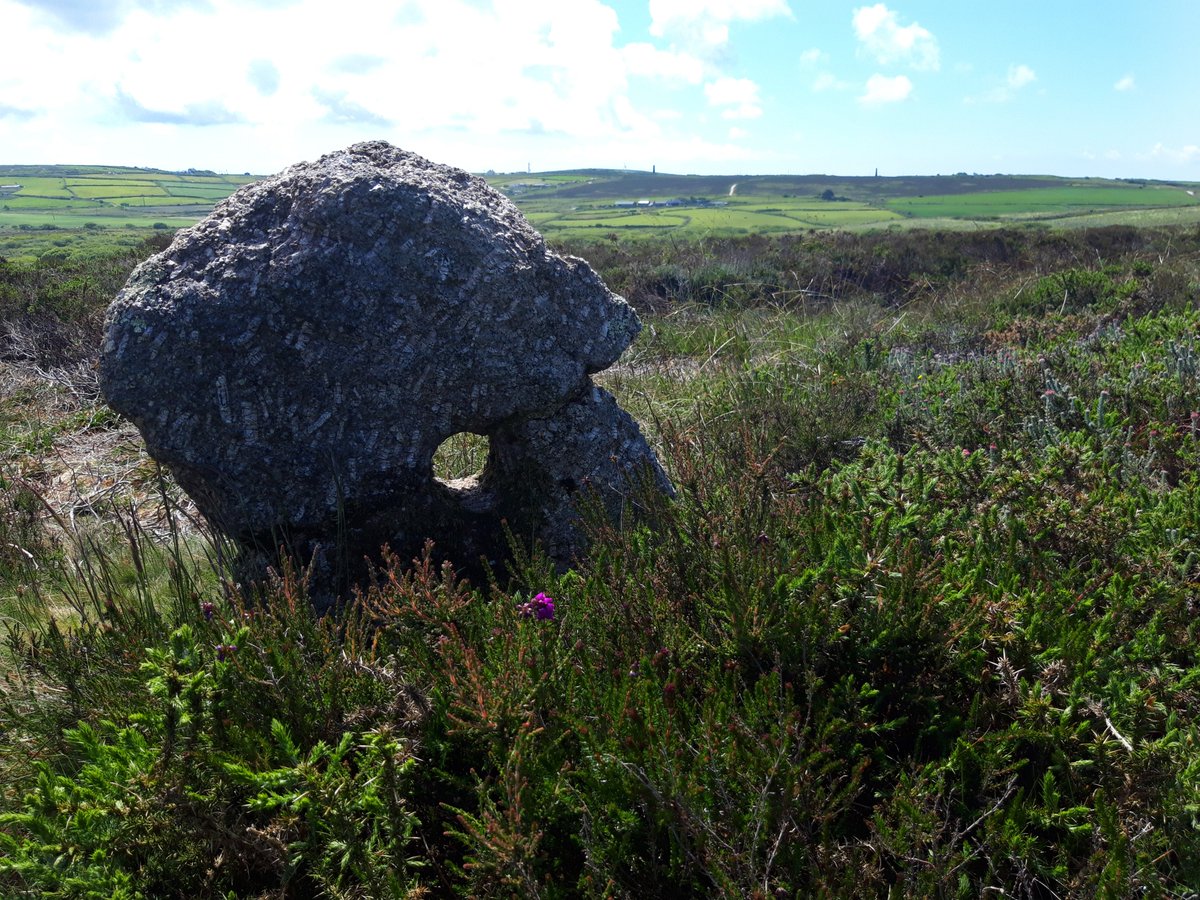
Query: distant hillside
point(72, 209)
point(614, 183)
point(82, 209)
point(585, 201)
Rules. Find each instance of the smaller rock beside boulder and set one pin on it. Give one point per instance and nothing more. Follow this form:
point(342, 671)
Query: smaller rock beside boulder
point(539, 469)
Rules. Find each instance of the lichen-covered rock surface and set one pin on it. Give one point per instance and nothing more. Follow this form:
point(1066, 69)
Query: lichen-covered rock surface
point(298, 356)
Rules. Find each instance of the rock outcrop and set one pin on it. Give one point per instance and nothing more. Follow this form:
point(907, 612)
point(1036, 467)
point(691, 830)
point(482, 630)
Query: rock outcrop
point(297, 358)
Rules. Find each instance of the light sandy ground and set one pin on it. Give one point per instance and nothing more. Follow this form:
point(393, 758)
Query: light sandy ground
point(82, 461)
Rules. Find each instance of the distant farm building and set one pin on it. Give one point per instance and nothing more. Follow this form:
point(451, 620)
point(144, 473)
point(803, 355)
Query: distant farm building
point(520, 187)
point(679, 201)
point(7, 190)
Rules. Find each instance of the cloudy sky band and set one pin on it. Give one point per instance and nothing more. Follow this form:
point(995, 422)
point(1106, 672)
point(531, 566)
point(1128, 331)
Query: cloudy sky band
point(685, 85)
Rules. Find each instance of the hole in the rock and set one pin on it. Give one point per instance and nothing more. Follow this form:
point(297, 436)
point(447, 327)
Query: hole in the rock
point(461, 455)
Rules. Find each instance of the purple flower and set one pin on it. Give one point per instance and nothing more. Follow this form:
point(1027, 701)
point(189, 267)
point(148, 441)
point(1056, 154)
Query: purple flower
point(224, 650)
point(540, 607)
point(208, 609)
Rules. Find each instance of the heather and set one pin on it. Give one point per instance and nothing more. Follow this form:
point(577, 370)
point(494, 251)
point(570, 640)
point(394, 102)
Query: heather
point(919, 622)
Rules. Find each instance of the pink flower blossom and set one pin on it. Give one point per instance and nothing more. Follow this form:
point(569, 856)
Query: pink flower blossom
point(540, 607)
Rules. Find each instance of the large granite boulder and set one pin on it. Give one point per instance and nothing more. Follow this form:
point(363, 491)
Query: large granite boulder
point(297, 358)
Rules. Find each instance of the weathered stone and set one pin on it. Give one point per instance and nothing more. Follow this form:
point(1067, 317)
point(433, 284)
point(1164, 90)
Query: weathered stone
point(298, 356)
point(590, 449)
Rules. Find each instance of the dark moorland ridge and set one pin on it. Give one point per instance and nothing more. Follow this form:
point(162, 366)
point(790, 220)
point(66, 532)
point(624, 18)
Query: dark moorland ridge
point(614, 183)
point(618, 184)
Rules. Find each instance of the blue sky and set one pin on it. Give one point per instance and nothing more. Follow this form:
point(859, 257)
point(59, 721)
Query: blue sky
point(1061, 87)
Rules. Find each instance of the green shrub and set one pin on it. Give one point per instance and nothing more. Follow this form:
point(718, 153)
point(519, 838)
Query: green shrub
point(920, 622)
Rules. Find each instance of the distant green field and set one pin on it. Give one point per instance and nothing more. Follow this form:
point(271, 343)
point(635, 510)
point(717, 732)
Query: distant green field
point(735, 218)
point(148, 200)
point(80, 218)
point(108, 191)
point(21, 202)
point(111, 186)
point(1049, 201)
point(589, 201)
point(80, 210)
point(37, 187)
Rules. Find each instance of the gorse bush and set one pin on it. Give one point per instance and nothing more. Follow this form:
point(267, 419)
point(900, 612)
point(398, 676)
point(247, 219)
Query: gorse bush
point(921, 622)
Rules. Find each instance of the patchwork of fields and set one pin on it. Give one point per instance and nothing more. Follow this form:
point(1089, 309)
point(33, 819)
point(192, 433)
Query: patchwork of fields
point(106, 196)
point(633, 204)
point(79, 210)
point(756, 215)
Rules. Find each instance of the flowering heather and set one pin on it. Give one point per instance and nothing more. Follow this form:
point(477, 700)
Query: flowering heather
point(540, 607)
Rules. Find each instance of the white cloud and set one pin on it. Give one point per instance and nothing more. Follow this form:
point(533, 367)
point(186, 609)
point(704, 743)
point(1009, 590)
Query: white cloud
point(1020, 75)
point(262, 74)
point(813, 57)
point(738, 97)
point(1125, 83)
point(560, 68)
point(668, 65)
point(827, 81)
point(99, 17)
point(341, 110)
point(1188, 153)
point(201, 114)
point(704, 24)
point(881, 35)
point(564, 88)
point(881, 89)
point(737, 134)
point(15, 113)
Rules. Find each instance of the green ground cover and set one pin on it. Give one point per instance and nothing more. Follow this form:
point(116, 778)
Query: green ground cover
point(90, 191)
point(80, 216)
point(731, 216)
point(920, 622)
point(215, 192)
point(81, 244)
point(1141, 218)
point(23, 201)
point(148, 201)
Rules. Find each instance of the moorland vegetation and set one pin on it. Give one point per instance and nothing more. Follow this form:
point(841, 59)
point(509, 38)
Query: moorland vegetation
point(921, 621)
